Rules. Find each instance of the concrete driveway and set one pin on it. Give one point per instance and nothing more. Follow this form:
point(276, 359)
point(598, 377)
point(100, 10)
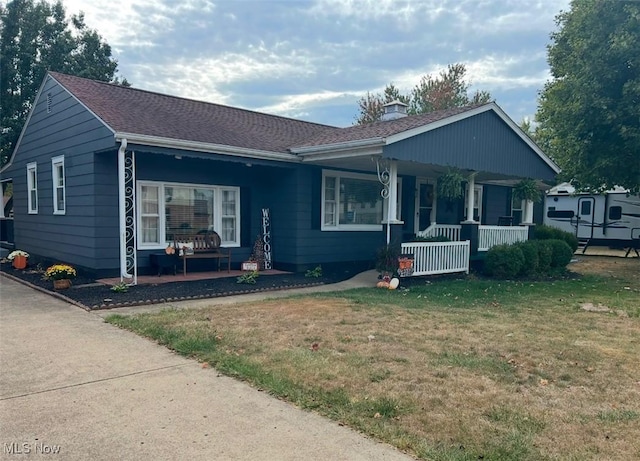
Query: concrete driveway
point(73, 387)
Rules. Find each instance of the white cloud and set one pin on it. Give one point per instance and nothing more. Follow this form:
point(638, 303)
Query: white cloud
point(298, 105)
point(298, 58)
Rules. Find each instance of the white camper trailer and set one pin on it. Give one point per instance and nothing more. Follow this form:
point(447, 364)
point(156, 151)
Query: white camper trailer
point(611, 218)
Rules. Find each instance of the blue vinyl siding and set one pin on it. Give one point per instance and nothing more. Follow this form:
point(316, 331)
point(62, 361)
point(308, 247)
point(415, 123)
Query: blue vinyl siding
point(69, 130)
point(314, 246)
point(481, 143)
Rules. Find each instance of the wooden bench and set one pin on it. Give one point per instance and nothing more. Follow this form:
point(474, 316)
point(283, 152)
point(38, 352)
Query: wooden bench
point(201, 246)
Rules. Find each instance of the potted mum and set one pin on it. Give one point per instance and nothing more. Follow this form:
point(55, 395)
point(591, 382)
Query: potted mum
point(18, 258)
point(61, 274)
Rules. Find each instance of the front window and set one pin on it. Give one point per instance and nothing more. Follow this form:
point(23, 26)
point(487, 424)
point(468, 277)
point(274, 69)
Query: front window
point(150, 214)
point(32, 188)
point(57, 165)
point(516, 210)
point(351, 202)
point(188, 209)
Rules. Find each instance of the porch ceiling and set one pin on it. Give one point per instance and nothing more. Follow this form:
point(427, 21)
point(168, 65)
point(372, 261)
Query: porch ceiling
point(367, 164)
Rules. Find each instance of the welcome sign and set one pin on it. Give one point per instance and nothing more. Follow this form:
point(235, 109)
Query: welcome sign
point(266, 238)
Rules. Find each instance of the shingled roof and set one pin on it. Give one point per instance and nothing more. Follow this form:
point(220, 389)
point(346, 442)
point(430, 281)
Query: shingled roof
point(381, 129)
point(130, 110)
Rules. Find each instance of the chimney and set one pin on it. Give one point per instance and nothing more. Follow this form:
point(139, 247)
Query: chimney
point(394, 109)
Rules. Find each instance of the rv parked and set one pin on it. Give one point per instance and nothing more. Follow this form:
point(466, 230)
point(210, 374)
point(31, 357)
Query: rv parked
point(611, 218)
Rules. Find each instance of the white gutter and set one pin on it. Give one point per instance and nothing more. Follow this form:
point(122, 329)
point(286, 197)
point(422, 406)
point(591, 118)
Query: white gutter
point(197, 146)
point(324, 148)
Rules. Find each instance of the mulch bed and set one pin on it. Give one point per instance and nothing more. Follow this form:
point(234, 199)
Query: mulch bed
point(89, 294)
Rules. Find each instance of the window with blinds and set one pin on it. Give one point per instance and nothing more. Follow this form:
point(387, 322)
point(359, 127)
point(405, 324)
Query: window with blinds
point(170, 209)
point(351, 201)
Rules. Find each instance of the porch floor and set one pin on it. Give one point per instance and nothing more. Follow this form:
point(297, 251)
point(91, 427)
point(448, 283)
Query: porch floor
point(191, 276)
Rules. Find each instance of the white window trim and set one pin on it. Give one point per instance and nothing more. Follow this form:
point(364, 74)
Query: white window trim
point(345, 227)
point(32, 208)
point(162, 218)
point(141, 215)
point(516, 205)
point(434, 205)
point(55, 161)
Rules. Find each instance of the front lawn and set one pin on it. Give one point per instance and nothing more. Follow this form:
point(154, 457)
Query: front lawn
point(449, 370)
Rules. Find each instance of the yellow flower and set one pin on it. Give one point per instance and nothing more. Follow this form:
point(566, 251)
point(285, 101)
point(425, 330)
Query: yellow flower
point(60, 272)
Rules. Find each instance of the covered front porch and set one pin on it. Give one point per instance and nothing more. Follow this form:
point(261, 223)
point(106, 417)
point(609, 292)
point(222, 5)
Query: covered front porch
point(482, 146)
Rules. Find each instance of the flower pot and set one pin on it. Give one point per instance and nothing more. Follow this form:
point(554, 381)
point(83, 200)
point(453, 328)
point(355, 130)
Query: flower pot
point(19, 262)
point(61, 284)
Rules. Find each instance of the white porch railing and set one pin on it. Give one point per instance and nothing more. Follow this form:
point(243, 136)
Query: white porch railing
point(451, 231)
point(490, 236)
point(430, 258)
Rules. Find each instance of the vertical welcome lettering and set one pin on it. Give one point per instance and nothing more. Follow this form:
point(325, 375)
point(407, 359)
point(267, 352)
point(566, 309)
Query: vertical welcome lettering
point(266, 238)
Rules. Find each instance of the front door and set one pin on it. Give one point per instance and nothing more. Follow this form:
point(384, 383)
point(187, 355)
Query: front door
point(425, 204)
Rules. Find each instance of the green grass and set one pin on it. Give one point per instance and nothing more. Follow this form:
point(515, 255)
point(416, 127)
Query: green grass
point(451, 370)
point(618, 416)
point(472, 293)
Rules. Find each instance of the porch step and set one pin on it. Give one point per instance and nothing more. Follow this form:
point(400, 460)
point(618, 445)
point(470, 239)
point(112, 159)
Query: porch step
point(583, 244)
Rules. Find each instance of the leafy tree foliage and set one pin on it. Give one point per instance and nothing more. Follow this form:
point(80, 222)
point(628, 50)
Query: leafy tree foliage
point(371, 106)
point(35, 37)
point(589, 113)
point(446, 90)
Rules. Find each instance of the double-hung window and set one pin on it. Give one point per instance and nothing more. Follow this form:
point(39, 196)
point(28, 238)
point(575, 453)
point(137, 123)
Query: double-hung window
point(351, 201)
point(32, 188)
point(516, 210)
point(57, 172)
point(170, 209)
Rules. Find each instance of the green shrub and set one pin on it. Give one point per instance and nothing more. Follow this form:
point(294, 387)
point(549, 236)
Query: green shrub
point(504, 261)
point(530, 252)
point(248, 277)
point(545, 253)
point(314, 273)
point(387, 259)
point(561, 253)
point(120, 287)
point(549, 233)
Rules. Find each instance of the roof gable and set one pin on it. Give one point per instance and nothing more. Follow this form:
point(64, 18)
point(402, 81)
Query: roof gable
point(379, 130)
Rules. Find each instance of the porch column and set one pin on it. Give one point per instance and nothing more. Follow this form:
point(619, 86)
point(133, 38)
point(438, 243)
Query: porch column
point(470, 197)
point(388, 177)
point(527, 212)
point(392, 212)
point(127, 213)
point(527, 220)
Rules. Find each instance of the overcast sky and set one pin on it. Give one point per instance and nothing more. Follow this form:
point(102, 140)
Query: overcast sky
point(313, 59)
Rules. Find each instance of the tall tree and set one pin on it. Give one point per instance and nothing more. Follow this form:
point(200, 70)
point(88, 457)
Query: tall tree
point(447, 89)
point(589, 113)
point(35, 36)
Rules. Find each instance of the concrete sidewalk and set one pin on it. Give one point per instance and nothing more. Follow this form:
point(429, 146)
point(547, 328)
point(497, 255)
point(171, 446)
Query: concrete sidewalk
point(71, 382)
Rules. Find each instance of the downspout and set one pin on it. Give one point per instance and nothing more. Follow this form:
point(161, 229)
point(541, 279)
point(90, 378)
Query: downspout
point(605, 220)
point(122, 211)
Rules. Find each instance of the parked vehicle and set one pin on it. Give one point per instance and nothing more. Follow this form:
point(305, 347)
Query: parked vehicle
point(611, 218)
